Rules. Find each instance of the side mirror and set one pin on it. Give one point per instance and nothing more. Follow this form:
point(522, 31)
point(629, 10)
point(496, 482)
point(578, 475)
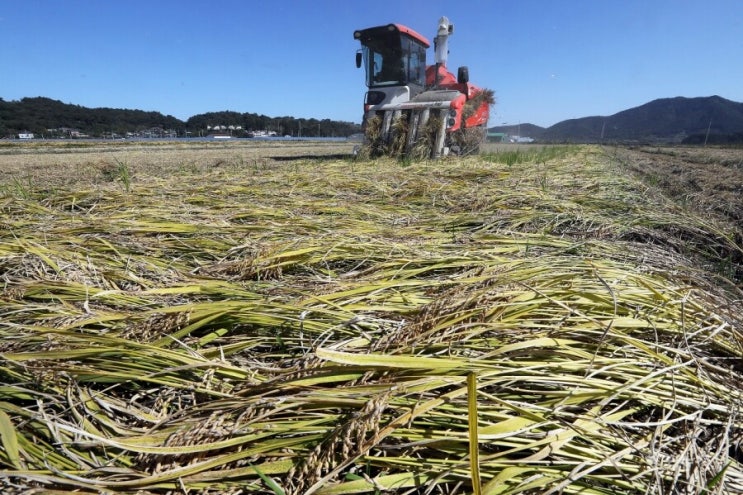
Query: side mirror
point(463, 75)
point(358, 60)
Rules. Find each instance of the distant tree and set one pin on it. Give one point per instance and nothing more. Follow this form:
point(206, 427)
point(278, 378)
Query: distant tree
point(40, 114)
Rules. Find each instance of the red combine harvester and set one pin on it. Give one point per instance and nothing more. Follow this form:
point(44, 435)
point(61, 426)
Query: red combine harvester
point(413, 109)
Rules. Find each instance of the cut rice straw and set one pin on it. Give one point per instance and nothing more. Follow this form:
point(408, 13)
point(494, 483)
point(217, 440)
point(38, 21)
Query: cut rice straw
point(337, 327)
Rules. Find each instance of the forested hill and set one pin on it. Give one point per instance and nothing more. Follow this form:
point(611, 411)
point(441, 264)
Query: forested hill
point(690, 120)
point(667, 119)
point(52, 118)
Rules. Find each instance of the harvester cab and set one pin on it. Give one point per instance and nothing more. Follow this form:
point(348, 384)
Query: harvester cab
point(413, 109)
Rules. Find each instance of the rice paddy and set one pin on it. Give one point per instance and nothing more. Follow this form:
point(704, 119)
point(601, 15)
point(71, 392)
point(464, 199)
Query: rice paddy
point(242, 318)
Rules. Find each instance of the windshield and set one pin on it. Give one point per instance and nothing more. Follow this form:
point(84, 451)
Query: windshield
point(394, 60)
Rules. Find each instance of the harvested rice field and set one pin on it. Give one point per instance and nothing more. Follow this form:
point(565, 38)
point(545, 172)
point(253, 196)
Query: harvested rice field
point(243, 317)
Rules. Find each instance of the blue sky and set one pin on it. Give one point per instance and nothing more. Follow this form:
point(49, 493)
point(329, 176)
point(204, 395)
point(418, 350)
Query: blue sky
point(546, 60)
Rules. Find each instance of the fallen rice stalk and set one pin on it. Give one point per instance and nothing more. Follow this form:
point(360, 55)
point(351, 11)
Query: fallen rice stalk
point(318, 326)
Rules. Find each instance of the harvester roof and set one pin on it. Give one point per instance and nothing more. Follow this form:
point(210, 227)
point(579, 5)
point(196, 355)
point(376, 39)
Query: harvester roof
point(374, 32)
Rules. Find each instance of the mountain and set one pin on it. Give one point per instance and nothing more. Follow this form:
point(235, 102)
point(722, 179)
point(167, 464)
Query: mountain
point(663, 120)
point(692, 120)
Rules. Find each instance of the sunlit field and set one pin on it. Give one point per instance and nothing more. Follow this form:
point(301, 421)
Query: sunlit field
point(242, 317)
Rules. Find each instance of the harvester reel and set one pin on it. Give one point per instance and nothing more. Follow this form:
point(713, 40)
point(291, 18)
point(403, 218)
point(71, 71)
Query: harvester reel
point(424, 144)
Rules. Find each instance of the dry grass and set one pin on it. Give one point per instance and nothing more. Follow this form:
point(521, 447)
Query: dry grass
point(53, 163)
point(473, 104)
point(710, 180)
point(231, 322)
